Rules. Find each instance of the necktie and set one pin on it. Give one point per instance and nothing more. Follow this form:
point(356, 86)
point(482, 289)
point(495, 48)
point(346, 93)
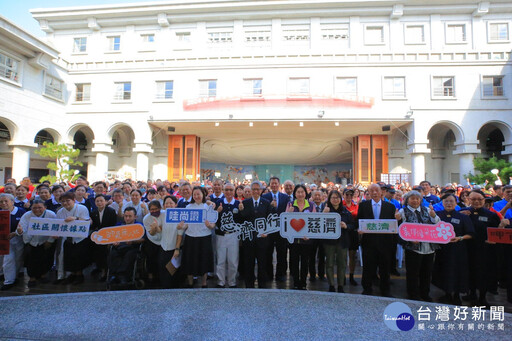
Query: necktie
point(375, 211)
point(255, 204)
point(418, 216)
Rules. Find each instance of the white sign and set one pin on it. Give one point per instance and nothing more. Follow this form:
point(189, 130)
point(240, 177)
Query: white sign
point(58, 228)
point(191, 215)
point(311, 225)
point(378, 225)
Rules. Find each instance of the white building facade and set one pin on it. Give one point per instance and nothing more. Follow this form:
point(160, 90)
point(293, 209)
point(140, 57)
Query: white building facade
point(165, 90)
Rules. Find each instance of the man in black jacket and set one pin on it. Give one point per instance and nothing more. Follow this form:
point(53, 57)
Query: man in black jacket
point(254, 248)
point(376, 246)
point(102, 216)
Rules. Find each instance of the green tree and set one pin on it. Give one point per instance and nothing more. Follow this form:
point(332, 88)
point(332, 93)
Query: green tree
point(64, 157)
point(484, 167)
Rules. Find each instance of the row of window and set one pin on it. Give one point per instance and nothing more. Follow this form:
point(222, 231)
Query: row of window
point(374, 34)
point(393, 87)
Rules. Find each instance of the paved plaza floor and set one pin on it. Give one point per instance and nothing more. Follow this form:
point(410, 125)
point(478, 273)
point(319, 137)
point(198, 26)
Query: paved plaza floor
point(88, 312)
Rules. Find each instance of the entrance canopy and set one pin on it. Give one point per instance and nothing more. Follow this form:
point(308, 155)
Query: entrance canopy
point(277, 142)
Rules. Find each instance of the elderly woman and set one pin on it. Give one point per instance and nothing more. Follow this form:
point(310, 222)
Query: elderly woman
point(419, 256)
point(13, 261)
point(451, 264)
point(39, 250)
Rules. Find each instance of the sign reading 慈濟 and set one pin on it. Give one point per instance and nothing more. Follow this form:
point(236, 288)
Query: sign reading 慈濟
point(378, 225)
point(310, 225)
point(58, 227)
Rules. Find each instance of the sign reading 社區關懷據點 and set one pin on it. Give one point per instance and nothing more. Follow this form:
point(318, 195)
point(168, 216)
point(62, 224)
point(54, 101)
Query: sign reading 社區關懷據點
point(58, 228)
point(378, 225)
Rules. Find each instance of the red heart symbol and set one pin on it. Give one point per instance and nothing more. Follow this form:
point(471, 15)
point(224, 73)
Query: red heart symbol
point(297, 224)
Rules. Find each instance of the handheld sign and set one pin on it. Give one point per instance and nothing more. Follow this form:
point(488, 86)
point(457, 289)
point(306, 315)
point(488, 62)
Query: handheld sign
point(5, 229)
point(311, 225)
point(500, 236)
point(118, 234)
point(378, 225)
point(440, 233)
point(191, 215)
point(58, 228)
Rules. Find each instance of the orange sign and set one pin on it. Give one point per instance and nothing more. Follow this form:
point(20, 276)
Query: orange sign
point(118, 234)
point(501, 236)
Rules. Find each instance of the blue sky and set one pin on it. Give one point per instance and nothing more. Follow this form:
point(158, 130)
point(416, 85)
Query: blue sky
point(17, 11)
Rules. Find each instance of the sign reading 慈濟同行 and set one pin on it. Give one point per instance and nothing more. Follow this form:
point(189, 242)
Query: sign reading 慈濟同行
point(378, 225)
point(58, 227)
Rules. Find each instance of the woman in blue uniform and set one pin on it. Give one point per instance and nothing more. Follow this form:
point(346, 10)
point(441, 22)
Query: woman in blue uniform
point(451, 264)
point(481, 254)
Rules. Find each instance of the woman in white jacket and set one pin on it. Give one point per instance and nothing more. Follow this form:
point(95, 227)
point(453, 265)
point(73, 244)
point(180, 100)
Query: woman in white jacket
point(167, 236)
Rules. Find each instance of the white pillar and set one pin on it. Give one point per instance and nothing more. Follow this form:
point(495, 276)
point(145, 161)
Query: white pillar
point(142, 166)
point(101, 166)
point(465, 166)
point(142, 149)
point(418, 168)
point(91, 166)
point(20, 162)
point(102, 151)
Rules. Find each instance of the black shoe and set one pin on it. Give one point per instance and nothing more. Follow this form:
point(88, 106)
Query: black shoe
point(447, 299)
point(493, 292)
point(394, 272)
point(331, 288)
point(233, 287)
point(344, 280)
point(58, 281)
point(470, 297)
point(6, 286)
point(340, 289)
point(427, 299)
point(414, 297)
point(457, 300)
point(280, 279)
point(78, 280)
point(95, 272)
point(386, 294)
point(352, 280)
point(204, 286)
point(32, 284)
point(322, 278)
point(43, 280)
point(68, 280)
point(312, 278)
point(220, 286)
point(102, 278)
point(366, 292)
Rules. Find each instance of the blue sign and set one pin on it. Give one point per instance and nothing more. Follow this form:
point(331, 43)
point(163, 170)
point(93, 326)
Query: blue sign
point(190, 215)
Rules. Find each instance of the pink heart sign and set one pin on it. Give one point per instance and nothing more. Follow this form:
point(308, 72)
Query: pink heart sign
point(440, 233)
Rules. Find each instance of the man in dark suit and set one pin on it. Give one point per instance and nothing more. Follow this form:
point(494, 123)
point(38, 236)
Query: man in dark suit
point(186, 195)
point(102, 216)
point(254, 248)
point(376, 247)
point(278, 202)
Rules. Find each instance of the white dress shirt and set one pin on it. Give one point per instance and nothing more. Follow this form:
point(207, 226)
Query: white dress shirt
point(167, 238)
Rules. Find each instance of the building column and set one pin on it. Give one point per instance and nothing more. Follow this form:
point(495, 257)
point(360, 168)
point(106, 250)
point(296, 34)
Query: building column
point(20, 162)
point(102, 151)
point(466, 152)
point(418, 149)
point(142, 150)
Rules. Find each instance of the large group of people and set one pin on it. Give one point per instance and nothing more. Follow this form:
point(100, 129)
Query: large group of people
point(177, 254)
